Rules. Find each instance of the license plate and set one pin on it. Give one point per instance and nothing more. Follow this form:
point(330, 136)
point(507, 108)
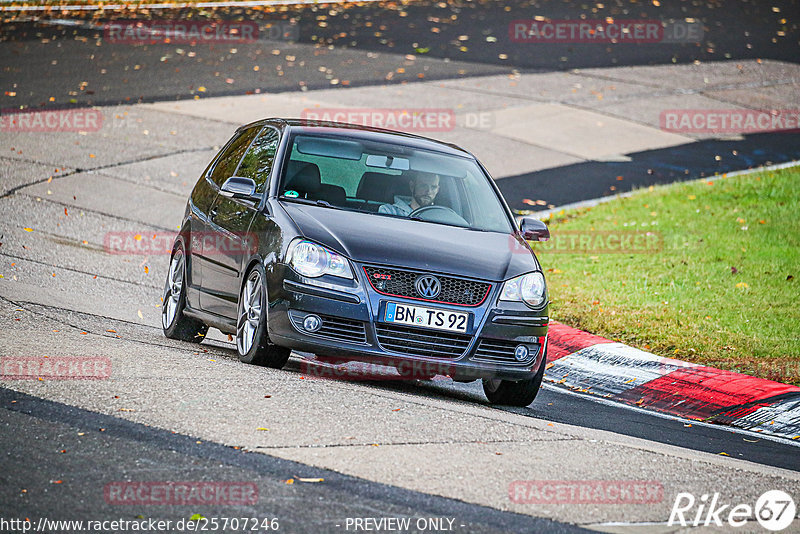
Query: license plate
point(426, 317)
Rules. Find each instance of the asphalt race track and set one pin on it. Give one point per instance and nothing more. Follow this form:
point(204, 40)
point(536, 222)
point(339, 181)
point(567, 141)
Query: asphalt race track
point(320, 452)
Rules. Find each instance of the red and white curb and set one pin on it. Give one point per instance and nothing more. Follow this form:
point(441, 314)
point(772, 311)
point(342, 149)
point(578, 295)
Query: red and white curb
point(592, 364)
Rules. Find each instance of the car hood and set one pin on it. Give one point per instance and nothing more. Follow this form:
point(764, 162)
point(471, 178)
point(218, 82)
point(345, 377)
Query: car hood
point(390, 241)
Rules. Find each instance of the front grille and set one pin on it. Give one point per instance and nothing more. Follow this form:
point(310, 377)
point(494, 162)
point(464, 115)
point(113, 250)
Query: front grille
point(499, 351)
point(333, 328)
point(421, 342)
point(400, 283)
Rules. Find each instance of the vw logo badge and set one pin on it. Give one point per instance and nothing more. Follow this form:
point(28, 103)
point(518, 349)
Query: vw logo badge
point(428, 286)
point(521, 353)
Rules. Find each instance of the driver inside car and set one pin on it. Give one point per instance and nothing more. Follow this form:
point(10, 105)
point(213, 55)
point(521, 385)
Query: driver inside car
point(424, 188)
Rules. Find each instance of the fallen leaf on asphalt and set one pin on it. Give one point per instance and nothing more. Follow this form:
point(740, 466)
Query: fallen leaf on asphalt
point(28, 229)
point(261, 428)
point(146, 270)
point(112, 331)
point(290, 481)
point(139, 313)
point(724, 454)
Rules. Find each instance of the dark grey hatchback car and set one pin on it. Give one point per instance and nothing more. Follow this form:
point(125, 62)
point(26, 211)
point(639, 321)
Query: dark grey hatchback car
point(361, 244)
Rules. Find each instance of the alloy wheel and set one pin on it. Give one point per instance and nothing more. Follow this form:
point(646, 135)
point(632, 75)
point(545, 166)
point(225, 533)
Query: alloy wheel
point(172, 289)
point(249, 313)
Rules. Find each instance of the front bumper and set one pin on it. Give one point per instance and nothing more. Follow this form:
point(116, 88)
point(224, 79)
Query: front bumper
point(353, 329)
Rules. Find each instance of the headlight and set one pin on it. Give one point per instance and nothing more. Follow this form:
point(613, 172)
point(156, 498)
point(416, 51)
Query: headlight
point(528, 288)
point(312, 260)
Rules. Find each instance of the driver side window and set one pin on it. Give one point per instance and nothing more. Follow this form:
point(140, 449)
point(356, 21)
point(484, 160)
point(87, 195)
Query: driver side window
point(260, 158)
point(230, 158)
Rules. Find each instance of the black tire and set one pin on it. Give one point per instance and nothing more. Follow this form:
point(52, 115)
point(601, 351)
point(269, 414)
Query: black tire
point(509, 393)
point(259, 350)
point(179, 326)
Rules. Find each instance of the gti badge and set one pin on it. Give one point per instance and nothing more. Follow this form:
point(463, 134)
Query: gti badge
point(428, 286)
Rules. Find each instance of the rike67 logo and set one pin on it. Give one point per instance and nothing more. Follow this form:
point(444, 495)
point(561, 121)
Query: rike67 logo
point(774, 510)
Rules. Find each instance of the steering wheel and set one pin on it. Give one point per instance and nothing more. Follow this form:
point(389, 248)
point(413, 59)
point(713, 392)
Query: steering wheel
point(436, 213)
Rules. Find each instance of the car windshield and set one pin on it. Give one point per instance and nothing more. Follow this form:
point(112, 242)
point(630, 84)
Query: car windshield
point(392, 180)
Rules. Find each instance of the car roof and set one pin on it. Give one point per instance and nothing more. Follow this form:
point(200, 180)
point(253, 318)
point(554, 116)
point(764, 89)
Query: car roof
point(363, 132)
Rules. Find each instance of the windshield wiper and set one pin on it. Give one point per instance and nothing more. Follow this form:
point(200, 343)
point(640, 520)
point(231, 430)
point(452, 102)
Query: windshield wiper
point(416, 218)
point(323, 203)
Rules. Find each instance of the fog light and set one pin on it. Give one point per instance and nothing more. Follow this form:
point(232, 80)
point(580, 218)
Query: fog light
point(521, 353)
point(312, 323)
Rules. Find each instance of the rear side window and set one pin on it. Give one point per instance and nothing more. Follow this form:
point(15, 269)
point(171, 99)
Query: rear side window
point(232, 155)
point(260, 158)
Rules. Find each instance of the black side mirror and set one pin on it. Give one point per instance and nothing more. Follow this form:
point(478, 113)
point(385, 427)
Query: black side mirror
point(239, 187)
point(534, 230)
